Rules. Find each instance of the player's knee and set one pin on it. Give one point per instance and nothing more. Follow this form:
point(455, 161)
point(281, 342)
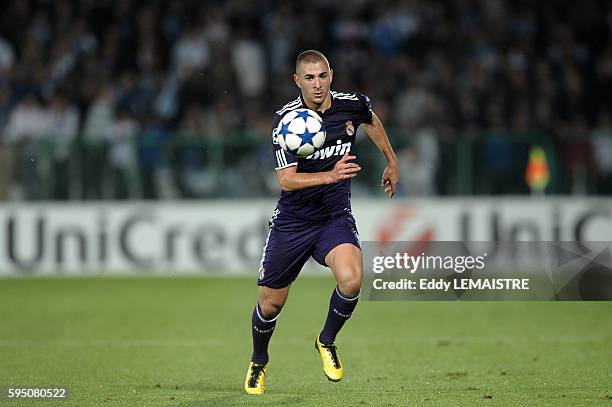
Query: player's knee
point(270, 309)
point(351, 285)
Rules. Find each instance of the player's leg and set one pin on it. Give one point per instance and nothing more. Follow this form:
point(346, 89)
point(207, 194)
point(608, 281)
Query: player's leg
point(269, 305)
point(284, 255)
point(268, 308)
point(338, 248)
point(346, 264)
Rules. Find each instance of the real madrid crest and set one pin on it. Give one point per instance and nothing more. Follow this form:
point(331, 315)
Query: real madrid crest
point(350, 129)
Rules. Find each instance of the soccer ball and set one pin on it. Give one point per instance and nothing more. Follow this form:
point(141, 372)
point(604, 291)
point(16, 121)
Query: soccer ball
point(301, 132)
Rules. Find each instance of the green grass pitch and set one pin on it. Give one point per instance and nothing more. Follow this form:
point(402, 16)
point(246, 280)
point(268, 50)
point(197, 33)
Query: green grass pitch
point(186, 342)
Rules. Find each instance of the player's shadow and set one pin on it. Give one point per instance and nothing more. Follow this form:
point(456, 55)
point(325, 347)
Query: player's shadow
point(208, 395)
point(241, 399)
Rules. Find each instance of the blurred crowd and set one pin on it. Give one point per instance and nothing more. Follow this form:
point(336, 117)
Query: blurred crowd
point(104, 99)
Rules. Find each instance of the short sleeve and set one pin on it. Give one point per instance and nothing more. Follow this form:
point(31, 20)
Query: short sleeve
point(282, 159)
point(367, 108)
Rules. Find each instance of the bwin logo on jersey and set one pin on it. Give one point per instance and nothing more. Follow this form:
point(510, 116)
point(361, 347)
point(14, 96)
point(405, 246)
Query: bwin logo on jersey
point(339, 149)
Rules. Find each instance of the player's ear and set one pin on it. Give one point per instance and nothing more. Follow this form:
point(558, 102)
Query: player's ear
point(331, 75)
point(296, 79)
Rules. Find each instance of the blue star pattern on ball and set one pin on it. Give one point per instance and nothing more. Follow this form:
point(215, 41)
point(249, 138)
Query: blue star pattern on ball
point(307, 137)
point(301, 132)
point(303, 114)
point(284, 130)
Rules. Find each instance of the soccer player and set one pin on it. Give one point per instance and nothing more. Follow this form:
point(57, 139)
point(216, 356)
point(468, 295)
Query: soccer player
point(313, 215)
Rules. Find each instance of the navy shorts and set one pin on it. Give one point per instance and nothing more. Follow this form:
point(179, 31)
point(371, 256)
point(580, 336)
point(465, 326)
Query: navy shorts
point(286, 251)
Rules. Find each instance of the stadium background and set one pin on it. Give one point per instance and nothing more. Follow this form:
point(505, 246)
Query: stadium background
point(135, 140)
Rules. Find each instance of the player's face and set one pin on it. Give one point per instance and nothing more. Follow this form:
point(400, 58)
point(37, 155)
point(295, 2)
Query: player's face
point(314, 79)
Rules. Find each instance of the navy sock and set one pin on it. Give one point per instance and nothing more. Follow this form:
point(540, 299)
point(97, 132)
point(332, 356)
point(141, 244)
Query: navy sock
point(340, 310)
point(262, 329)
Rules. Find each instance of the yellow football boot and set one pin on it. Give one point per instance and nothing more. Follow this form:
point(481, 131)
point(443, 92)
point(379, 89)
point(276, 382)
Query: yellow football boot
point(331, 362)
point(255, 382)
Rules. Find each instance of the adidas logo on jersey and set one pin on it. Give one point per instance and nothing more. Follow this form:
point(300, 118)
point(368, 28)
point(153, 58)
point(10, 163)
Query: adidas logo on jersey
point(339, 149)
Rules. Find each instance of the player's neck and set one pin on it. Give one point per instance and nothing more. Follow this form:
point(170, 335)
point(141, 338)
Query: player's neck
point(326, 104)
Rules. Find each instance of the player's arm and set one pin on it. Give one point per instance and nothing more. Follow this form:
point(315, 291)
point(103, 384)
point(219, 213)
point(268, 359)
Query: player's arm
point(291, 180)
point(377, 133)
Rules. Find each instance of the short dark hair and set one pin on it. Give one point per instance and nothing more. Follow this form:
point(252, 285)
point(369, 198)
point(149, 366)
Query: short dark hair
point(310, 56)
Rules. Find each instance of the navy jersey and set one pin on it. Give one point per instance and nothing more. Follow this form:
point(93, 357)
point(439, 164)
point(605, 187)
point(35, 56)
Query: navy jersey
point(321, 203)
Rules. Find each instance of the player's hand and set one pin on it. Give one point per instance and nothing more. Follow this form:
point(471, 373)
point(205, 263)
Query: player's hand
point(344, 169)
point(390, 179)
